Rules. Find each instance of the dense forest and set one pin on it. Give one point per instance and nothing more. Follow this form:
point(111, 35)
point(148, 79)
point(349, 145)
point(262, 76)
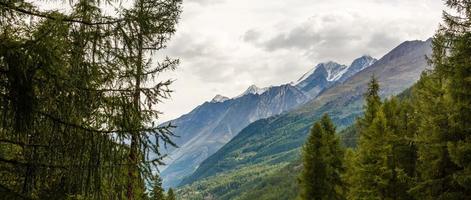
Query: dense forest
point(78, 95)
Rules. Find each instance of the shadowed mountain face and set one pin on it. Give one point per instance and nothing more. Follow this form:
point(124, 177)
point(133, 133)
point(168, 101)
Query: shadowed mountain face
point(277, 139)
point(211, 125)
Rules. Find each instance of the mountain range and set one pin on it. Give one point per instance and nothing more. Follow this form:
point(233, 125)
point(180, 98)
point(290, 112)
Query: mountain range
point(326, 74)
point(266, 146)
point(211, 125)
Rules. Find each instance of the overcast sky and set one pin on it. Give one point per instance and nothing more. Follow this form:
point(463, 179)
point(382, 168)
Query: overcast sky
point(227, 45)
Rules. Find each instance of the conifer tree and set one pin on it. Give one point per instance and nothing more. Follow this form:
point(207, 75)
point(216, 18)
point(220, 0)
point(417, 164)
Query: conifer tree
point(170, 195)
point(322, 163)
point(443, 98)
point(373, 104)
point(381, 166)
point(363, 183)
point(76, 88)
point(350, 176)
point(407, 148)
point(356, 158)
point(401, 152)
point(372, 177)
point(457, 70)
point(384, 165)
point(157, 192)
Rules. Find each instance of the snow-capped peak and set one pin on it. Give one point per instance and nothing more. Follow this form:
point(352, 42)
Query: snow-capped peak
point(333, 69)
point(364, 62)
point(253, 89)
point(358, 65)
point(219, 98)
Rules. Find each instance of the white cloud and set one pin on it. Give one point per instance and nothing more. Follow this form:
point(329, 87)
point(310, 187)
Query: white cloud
point(205, 2)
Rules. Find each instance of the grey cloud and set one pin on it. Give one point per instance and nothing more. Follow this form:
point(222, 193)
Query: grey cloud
point(215, 63)
point(213, 71)
point(251, 36)
point(334, 36)
point(380, 40)
point(186, 47)
point(299, 37)
point(318, 30)
point(200, 55)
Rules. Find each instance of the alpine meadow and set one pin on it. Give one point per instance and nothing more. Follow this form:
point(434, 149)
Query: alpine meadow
point(312, 100)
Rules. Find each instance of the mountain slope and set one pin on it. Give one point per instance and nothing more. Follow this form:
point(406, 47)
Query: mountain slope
point(277, 139)
point(208, 127)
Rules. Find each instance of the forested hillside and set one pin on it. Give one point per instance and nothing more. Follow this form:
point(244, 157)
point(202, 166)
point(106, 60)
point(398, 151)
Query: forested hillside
point(208, 127)
point(212, 124)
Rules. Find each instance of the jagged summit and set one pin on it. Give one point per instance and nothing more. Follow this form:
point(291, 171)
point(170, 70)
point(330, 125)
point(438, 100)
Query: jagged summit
point(358, 65)
point(332, 71)
point(368, 59)
point(211, 125)
point(362, 63)
point(219, 99)
point(324, 75)
point(253, 89)
point(320, 77)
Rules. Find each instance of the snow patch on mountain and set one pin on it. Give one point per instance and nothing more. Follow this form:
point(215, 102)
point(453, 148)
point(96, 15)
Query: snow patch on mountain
point(253, 89)
point(357, 65)
point(334, 71)
point(219, 99)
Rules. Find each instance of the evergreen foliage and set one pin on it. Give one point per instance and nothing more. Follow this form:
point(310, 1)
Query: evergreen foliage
point(383, 167)
point(78, 99)
point(367, 164)
point(170, 195)
point(372, 105)
point(157, 192)
point(443, 97)
point(322, 163)
point(417, 147)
